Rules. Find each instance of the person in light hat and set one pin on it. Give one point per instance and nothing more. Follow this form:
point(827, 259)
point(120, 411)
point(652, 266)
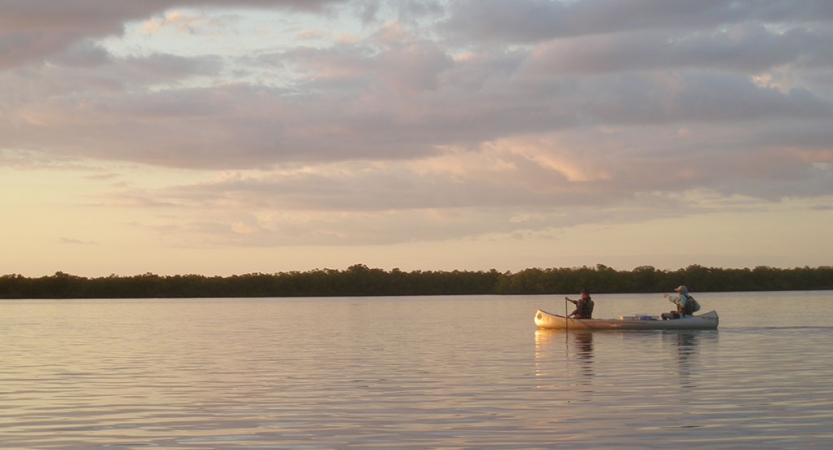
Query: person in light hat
point(684, 303)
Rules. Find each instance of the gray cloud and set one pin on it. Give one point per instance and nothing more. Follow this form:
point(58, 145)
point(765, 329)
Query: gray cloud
point(524, 21)
point(369, 112)
point(743, 49)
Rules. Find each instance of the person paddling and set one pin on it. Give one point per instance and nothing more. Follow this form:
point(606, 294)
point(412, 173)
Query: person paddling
point(584, 306)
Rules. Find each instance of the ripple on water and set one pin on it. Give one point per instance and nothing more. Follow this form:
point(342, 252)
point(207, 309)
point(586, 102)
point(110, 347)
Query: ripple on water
point(447, 372)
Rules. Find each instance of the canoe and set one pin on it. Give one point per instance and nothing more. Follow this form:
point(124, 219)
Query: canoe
point(706, 321)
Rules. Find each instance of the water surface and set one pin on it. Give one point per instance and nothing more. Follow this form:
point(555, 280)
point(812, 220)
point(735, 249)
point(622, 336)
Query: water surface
point(415, 372)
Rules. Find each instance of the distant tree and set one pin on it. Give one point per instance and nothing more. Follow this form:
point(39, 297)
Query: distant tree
point(360, 280)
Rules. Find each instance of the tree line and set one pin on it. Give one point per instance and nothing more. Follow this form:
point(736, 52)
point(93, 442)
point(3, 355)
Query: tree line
point(359, 280)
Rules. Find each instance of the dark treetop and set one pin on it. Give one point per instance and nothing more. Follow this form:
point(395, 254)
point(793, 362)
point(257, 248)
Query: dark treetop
point(359, 280)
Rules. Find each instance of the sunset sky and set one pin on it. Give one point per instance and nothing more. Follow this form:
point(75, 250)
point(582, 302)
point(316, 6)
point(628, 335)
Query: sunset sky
point(224, 137)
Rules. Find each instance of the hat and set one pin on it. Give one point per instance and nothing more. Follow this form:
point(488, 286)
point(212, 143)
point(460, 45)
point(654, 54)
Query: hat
point(681, 289)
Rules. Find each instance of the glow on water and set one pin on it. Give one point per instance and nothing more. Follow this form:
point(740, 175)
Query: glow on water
point(416, 372)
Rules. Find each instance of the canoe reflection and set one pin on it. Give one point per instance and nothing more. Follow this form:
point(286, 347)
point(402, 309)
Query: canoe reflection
point(575, 355)
point(577, 347)
point(686, 345)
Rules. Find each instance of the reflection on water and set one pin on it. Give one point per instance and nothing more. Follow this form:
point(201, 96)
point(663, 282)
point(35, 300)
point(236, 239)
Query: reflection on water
point(584, 352)
point(685, 344)
point(572, 354)
point(573, 348)
point(658, 381)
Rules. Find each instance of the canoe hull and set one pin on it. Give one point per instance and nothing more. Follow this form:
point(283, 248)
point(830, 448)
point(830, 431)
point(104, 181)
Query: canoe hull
point(545, 320)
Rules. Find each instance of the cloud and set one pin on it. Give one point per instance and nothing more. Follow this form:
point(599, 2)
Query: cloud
point(313, 34)
point(175, 19)
point(412, 66)
point(529, 21)
point(739, 48)
point(31, 30)
point(402, 100)
point(71, 241)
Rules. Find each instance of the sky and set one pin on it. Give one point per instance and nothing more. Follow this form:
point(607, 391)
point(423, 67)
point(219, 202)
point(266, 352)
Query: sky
point(223, 137)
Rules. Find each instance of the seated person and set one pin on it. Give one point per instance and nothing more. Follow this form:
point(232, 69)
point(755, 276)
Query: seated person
point(584, 306)
point(683, 304)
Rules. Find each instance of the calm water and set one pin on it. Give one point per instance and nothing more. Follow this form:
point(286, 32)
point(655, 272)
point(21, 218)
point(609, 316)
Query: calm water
point(419, 372)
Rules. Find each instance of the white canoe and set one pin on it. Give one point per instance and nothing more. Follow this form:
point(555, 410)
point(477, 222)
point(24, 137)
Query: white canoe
point(707, 321)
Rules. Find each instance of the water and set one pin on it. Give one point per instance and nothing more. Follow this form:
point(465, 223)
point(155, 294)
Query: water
point(419, 372)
